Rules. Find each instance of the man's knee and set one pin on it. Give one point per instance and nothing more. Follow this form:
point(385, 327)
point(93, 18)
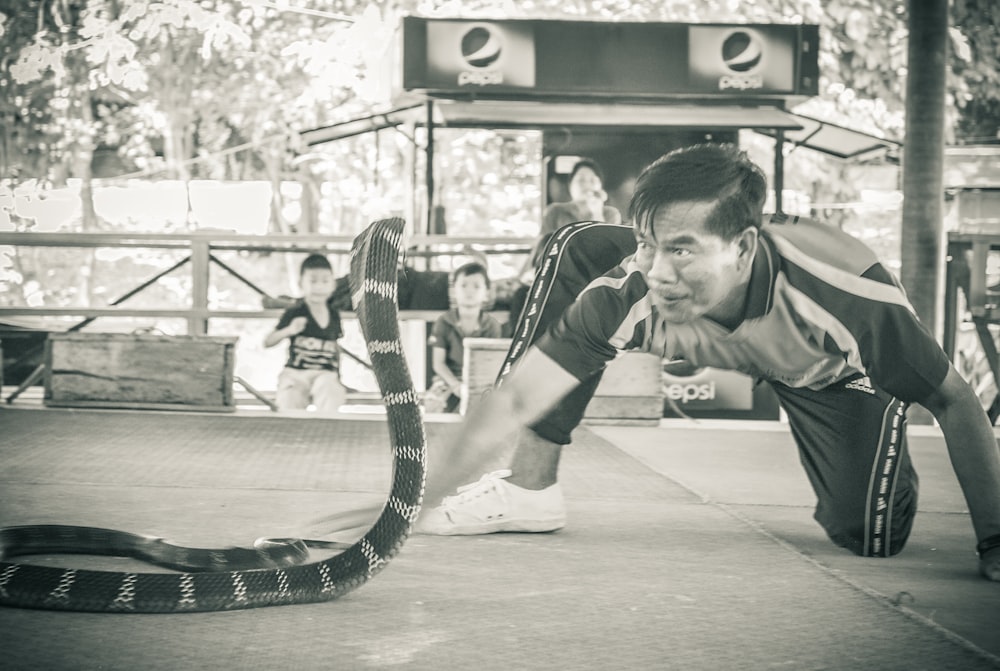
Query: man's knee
point(855, 542)
point(880, 535)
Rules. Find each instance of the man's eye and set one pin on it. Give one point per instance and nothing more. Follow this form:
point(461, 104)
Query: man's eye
point(643, 246)
point(680, 251)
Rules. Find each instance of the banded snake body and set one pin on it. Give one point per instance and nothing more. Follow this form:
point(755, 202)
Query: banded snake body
point(214, 580)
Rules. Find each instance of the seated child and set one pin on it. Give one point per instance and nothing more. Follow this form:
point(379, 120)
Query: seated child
point(312, 372)
point(470, 291)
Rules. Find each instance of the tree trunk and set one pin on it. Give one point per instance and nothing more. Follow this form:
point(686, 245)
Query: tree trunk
point(923, 161)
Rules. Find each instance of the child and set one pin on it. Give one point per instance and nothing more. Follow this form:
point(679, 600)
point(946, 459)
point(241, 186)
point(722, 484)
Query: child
point(312, 372)
point(470, 291)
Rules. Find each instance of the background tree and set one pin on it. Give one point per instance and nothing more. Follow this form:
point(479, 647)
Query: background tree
point(219, 89)
point(923, 159)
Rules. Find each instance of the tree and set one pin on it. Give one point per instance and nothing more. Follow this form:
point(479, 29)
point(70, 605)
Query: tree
point(220, 88)
point(923, 157)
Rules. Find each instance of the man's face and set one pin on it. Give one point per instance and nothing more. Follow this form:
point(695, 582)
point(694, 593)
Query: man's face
point(691, 272)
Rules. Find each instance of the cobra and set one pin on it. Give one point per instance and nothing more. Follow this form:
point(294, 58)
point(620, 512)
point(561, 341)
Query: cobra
point(213, 580)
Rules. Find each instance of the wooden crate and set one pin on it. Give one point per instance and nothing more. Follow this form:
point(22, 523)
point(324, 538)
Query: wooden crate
point(114, 370)
point(480, 367)
point(631, 390)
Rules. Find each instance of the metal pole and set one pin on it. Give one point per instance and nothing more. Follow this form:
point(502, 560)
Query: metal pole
point(779, 170)
point(429, 168)
point(237, 275)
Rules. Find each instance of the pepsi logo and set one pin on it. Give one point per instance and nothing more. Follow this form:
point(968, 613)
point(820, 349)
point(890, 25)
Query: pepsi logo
point(481, 47)
point(741, 51)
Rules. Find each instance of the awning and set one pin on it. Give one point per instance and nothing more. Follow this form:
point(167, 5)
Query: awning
point(834, 139)
point(533, 114)
point(798, 130)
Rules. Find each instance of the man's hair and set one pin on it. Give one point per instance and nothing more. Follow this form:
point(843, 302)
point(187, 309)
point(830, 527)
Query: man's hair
point(473, 268)
point(719, 173)
point(586, 163)
point(315, 262)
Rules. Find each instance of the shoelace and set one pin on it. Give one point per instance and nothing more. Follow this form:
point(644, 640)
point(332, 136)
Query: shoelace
point(477, 488)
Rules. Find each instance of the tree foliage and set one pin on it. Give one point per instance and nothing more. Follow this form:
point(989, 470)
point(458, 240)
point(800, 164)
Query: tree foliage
point(219, 89)
point(172, 84)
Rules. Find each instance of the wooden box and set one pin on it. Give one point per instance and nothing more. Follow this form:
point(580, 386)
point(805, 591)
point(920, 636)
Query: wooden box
point(480, 367)
point(114, 370)
point(631, 390)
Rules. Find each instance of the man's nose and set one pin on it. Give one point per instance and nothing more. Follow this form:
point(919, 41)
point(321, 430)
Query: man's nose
point(662, 269)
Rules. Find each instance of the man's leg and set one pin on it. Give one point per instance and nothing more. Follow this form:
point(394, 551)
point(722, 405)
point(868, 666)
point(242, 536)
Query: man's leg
point(527, 497)
point(535, 463)
point(852, 443)
point(573, 257)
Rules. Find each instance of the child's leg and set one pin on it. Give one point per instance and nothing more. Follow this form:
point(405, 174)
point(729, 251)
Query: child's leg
point(852, 443)
point(328, 394)
point(293, 389)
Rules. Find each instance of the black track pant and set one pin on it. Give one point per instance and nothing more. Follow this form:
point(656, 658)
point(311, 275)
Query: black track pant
point(851, 437)
point(575, 255)
point(852, 443)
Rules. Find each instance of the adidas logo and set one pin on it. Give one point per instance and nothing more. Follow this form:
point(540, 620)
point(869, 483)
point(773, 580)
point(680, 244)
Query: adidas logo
point(861, 384)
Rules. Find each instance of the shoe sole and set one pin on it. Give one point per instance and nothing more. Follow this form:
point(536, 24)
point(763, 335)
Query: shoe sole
point(503, 526)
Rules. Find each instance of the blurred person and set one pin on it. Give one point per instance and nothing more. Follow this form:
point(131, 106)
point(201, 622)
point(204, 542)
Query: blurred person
point(467, 319)
point(586, 203)
point(311, 375)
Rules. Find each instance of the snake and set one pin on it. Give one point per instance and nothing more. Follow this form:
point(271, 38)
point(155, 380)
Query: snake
point(274, 572)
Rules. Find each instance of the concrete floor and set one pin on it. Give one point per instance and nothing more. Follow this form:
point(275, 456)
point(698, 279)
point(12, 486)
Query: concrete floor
point(690, 546)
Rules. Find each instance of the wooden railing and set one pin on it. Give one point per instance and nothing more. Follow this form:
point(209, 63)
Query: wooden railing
point(966, 271)
point(200, 247)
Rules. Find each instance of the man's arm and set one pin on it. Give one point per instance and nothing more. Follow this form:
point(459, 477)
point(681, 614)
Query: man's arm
point(974, 455)
point(534, 387)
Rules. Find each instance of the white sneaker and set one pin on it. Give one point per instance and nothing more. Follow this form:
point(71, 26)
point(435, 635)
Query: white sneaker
point(492, 505)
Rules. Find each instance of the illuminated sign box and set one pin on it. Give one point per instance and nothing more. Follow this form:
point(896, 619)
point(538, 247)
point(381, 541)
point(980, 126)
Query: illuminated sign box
point(715, 393)
point(587, 59)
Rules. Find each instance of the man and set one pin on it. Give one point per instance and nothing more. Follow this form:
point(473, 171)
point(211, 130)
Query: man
point(801, 306)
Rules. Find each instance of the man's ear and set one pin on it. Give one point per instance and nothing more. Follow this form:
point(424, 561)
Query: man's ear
point(746, 246)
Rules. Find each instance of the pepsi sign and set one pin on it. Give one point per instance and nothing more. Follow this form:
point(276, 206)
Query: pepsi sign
point(738, 59)
point(475, 55)
point(481, 50)
point(590, 60)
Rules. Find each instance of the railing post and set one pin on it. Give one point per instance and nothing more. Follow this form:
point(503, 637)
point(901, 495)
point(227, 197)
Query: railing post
point(198, 325)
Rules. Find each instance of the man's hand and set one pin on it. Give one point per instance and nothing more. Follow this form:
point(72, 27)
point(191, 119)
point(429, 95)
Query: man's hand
point(296, 326)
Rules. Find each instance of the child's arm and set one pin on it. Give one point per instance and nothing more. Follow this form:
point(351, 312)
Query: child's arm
point(440, 366)
point(277, 335)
